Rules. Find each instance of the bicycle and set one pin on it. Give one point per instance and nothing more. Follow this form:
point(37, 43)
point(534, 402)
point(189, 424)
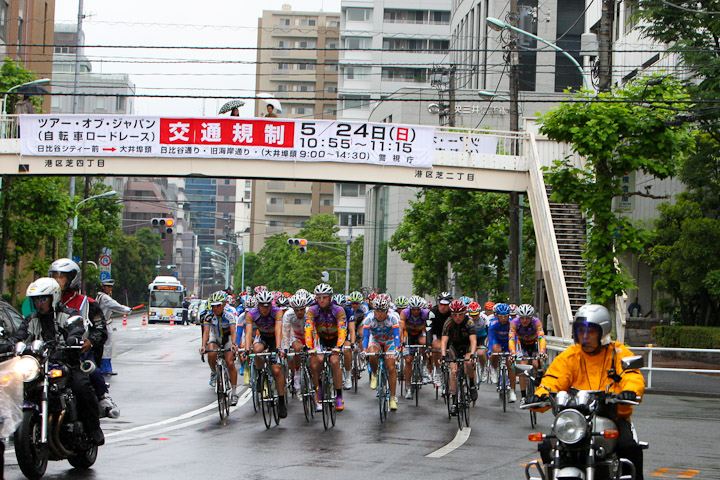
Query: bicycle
point(307, 389)
point(266, 395)
point(533, 378)
point(416, 377)
point(223, 387)
point(383, 386)
point(462, 397)
point(482, 371)
point(357, 367)
point(327, 390)
point(503, 378)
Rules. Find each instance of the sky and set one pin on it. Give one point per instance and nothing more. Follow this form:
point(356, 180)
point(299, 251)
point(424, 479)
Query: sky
point(215, 23)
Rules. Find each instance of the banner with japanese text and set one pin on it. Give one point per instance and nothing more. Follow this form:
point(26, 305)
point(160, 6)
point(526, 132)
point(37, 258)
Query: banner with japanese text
point(267, 139)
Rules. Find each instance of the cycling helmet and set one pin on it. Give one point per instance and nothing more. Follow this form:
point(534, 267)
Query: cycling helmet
point(217, 298)
point(45, 287)
point(489, 306)
point(264, 298)
point(445, 298)
point(401, 302)
point(355, 297)
point(596, 315)
point(513, 309)
point(457, 306)
point(416, 302)
point(525, 310)
point(302, 291)
point(371, 298)
point(282, 302)
point(250, 302)
point(68, 267)
point(502, 309)
point(339, 299)
point(298, 302)
point(323, 289)
point(381, 303)
point(465, 300)
point(474, 308)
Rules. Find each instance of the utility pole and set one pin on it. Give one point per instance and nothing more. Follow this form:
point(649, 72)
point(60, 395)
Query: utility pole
point(347, 257)
point(451, 96)
point(71, 190)
point(514, 240)
point(605, 35)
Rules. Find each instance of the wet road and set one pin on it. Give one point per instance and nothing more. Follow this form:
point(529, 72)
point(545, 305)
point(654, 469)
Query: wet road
point(170, 429)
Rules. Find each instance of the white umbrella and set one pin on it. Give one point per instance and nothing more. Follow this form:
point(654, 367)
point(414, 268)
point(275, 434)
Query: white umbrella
point(270, 100)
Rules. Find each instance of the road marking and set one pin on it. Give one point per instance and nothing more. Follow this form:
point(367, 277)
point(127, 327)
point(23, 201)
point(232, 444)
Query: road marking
point(460, 438)
point(674, 473)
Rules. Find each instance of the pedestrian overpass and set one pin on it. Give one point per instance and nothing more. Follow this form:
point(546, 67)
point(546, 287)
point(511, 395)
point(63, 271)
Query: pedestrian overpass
point(485, 160)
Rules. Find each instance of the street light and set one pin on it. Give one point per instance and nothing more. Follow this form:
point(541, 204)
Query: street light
point(242, 247)
point(498, 25)
point(75, 219)
point(218, 253)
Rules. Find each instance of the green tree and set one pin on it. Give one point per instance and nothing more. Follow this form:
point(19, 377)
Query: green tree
point(630, 129)
point(356, 263)
point(11, 75)
point(252, 263)
point(134, 260)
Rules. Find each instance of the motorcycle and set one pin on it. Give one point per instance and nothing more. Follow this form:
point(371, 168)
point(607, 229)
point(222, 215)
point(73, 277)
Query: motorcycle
point(11, 398)
point(50, 428)
point(584, 436)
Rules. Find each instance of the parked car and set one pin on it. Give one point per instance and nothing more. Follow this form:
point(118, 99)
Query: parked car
point(10, 318)
point(194, 310)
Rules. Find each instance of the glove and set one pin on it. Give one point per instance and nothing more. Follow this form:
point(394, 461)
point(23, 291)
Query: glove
point(73, 341)
point(536, 399)
point(628, 395)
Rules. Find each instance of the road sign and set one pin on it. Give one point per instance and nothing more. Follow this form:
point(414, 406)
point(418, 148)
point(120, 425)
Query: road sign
point(104, 276)
point(105, 260)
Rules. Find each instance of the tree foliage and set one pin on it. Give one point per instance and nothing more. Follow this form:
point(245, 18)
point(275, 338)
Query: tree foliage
point(629, 129)
point(468, 230)
point(134, 260)
point(11, 75)
point(98, 220)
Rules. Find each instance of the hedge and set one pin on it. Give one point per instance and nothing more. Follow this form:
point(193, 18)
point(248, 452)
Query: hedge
point(677, 336)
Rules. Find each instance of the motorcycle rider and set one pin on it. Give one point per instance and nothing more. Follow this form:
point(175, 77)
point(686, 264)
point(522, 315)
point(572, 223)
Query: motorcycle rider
point(594, 363)
point(67, 273)
point(50, 323)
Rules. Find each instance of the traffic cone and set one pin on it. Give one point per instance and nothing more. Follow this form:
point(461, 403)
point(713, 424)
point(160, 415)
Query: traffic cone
point(124, 320)
point(172, 321)
point(144, 322)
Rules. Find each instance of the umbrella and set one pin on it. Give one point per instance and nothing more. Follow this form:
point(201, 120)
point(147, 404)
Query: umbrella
point(230, 105)
point(32, 89)
point(270, 100)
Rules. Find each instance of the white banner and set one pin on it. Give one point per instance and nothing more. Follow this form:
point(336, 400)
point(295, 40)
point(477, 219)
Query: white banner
point(466, 142)
point(227, 137)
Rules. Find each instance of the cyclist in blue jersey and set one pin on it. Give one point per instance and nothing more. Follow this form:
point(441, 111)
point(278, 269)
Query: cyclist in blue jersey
point(267, 319)
point(219, 331)
point(381, 333)
point(413, 321)
point(475, 313)
point(498, 342)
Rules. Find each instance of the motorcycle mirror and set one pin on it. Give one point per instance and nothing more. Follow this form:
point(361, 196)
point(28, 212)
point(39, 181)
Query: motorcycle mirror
point(20, 348)
point(635, 362)
point(37, 346)
point(521, 368)
point(562, 398)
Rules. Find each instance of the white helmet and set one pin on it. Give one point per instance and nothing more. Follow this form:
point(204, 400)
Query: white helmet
point(67, 266)
point(591, 314)
point(45, 286)
point(298, 301)
point(323, 289)
point(264, 298)
point(416, 302)
point(525, 310)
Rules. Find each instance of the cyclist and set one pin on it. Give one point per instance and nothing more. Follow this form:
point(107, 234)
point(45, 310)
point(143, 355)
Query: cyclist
point(381, 333)
point(267, 319)
point(282, 303)
point(513, 311)
point(293, 335)
point(328, 322)
point(488, 314)
point(401, 303)
point(358, 309)
point(341, 301)
point(412, 327)
point(458, 339)
point(475, 314)
point(498, 338)
point(220, 331)
point(435, 322)
point(466, 300)
point(526, 338)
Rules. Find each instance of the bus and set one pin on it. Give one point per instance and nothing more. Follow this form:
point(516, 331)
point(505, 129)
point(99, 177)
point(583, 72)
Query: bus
point(166, 299)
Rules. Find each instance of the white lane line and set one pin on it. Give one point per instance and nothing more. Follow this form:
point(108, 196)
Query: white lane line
point(460, 437)
point(167, 421)
point(242, 401)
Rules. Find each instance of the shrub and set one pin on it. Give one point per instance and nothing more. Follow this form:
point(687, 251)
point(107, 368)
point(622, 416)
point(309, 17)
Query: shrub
point(677, 336)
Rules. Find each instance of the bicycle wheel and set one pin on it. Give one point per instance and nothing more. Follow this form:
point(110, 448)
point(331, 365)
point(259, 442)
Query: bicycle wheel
point(275, 401)
point(265, 403)
point(220, 390)
point(326, 399)
point(306, 392)
point(401, 374)
point(460, 396)
point(228, 390)
point(533, 419)
point(383, 394)
point(503, 387)
point(355, 370)
point(416, 379)
point(466, 402)
point(253, 385)
point(333, 396)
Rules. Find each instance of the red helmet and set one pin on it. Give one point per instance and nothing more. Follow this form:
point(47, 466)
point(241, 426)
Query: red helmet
point(457, 306)
point(513, 309)
point(489, 305)
point(371, 297)
point(474, 308)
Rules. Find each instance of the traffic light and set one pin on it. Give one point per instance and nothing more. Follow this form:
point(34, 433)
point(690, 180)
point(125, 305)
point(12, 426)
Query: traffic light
point(325, 276)
point(300, 242)
point(164, 224)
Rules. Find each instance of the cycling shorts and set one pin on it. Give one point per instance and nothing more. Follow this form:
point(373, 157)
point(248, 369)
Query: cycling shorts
point(382, 346)
point(528, 349)
point(327, 343)
point(214, 338)
point(415, 339)
point(214, 345)
point(269, 342)
point(458, 351)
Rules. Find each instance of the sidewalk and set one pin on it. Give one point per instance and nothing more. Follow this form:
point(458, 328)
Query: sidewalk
point(684, 383)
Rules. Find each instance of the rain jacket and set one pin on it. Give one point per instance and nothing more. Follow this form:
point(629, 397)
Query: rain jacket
point(575, 368)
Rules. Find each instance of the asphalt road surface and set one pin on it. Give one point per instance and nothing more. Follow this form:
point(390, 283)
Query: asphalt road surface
point(170, 429)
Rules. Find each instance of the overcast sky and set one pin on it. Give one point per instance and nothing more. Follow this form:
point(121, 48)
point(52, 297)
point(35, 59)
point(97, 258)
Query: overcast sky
point(226, 23)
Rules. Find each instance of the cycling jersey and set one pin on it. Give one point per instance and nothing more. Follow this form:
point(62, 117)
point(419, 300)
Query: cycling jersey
point(414, 325)
point(293, 329)
point(327, 324)
point(220, 327)
point(459, 333)
point(377, 332)
point(265, 324)
point(528, 335)
point(359, 315)
point(498, 334)
point(437, 321)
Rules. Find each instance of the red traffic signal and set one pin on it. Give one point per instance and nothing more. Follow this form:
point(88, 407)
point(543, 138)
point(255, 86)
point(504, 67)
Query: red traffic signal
point(164, 224)
point(298, 242)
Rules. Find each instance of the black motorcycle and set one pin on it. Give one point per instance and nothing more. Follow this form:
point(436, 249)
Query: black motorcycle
point(50, 427)
point(11, 393)
point(584, 436)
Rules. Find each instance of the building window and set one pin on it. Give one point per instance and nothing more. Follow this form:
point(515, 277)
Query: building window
point(283, 66)
point(332, 23)
point(273, 223)
point(284, 21)
point(306, 44)
point(356, 73)
point(299, 224)
point(356, 101)
point(282, 87)
point(331, 67)
point(3, 19)
point(282, 44)
point(327, 202)
point(357, 43)
point(352, 189)
point(303, 110)
point(301, 201)
point(306, 66)
point(247, 194)
point(306, 22)
point(332, 43)
point(358, 14)
point(354, 219)
point(275, 200)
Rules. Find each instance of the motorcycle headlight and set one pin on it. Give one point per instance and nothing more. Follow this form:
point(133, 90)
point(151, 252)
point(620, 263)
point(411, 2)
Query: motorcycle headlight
point(570, 426)
point(28, 368)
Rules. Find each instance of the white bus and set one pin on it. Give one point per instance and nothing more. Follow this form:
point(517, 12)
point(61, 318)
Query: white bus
point(166, 299)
